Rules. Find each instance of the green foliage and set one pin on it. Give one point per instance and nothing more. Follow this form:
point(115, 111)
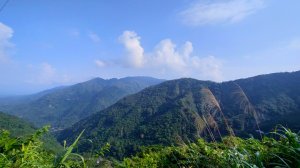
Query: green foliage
point(281, 151)
point(19, 128)
point(62, 160)
point(25, 151)
point(29, 152)
point(103, 150)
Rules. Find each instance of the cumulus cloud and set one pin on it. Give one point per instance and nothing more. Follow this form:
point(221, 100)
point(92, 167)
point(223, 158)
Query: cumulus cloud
point(6, 34)
point(179, 60)
point(168, 60)
point(135, 52)
point(165, 53)
point(230, 11)
point(94, 37)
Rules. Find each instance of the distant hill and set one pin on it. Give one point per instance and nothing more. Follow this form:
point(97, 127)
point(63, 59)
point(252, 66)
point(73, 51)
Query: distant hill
point(179, 111)
point(15, 125)
point(63, 106)
point(21, 128)
point(8, 101)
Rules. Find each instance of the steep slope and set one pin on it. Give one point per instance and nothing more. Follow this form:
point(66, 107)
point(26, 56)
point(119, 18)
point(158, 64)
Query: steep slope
point(183, 110)
point(276, 97)
point(64, 106)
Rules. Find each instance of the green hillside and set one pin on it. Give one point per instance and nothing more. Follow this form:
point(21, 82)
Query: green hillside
point(15, 125)
point(21, 128)
point(61, 107)
point(180, 111)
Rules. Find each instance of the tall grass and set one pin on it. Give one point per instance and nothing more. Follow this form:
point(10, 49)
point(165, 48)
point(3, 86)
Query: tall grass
point(246, 105)
point(62, 160)
point(211, 106)
point(280, 149)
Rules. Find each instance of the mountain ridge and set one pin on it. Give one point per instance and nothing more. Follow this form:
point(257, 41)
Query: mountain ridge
point(61, 107)
point(185, 109)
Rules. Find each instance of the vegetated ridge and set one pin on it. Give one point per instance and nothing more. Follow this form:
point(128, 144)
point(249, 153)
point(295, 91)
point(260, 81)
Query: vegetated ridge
point(180, 111)
point(63, 106)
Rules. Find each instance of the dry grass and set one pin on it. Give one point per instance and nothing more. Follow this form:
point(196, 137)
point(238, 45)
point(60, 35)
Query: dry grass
point(211, 108)
point(246, 105)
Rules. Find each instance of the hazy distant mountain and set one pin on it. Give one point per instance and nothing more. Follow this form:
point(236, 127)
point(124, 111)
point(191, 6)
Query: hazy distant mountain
point(7, 101)
point(63, 106)
point(183, 110)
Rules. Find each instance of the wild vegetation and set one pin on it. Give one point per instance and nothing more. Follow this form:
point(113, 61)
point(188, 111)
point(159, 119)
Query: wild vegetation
point(29, 152)
point(280, 148)
point(21, 128)
point(184, 110)
point(179, 123)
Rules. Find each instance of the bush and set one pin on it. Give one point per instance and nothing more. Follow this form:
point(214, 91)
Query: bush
point(29, 152)
point(280, 149)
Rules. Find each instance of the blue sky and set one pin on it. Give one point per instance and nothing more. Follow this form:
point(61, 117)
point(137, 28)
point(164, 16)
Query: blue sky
point(53, 42)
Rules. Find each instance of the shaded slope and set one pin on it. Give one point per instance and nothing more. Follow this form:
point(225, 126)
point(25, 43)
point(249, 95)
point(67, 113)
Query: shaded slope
point(15, 125)
point(21, 128)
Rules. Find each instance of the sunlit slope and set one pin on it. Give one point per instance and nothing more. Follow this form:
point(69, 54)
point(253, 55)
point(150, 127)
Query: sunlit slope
point(183, 110)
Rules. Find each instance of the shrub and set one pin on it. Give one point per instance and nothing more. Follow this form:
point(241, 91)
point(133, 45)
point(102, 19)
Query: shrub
point(280, 149)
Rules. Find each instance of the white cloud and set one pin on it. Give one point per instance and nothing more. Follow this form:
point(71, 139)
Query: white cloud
point(181, 61)
point(94, 37)
point(230, 11)
point(207, 67)
point(45, 74)
point(135, 52)
point(167, 60)
point(165, 54)
point(6, 34)
point(100, 63)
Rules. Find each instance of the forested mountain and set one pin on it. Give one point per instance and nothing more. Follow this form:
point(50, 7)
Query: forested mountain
point(179, 111)
point(63, 106)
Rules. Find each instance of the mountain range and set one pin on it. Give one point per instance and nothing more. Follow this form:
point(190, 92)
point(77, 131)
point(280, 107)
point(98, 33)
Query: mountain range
point(179, 111)
point(61, 107)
